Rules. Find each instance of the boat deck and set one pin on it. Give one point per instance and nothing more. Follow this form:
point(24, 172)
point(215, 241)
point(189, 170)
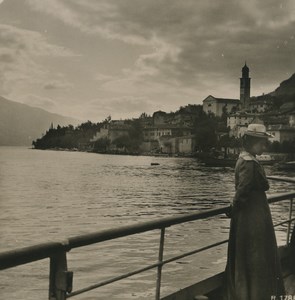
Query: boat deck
point(211, 288)
point(288, 265)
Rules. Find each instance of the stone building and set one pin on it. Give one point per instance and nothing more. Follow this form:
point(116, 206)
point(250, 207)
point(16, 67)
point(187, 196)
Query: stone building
point(218, 106)
point(168, 138)
point(112, 131)
point(238, 122)
point(283, 132)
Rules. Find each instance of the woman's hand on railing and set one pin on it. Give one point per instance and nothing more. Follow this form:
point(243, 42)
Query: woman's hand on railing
point(229, 213)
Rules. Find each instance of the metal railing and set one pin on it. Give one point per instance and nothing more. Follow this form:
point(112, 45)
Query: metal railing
point(290, 219)
point(60, 279)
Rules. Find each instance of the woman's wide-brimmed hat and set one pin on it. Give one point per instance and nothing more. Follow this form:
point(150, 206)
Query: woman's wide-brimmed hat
point(257, 130)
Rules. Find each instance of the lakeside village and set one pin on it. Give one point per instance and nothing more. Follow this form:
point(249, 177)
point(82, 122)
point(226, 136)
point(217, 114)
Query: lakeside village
point(212, 129)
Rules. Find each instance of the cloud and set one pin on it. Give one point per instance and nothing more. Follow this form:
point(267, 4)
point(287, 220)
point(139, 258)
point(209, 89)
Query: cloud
point(190, 41)
point(124, 106)
point(6, 58)
point(56, 85)
point(270, 14)
point(103, 78)
point(50, 86)
point(19, 52)
point(22, 42)
point(185, 50)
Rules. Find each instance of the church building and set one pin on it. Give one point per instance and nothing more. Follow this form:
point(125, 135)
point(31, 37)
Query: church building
point(238, 121)
point(245, 84)
point(218, 106)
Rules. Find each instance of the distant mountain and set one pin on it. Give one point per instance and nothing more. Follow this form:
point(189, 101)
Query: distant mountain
point(20, 124)
point(287, 87)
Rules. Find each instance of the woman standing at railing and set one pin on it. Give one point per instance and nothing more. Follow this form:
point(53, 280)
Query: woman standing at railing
point(253, 269)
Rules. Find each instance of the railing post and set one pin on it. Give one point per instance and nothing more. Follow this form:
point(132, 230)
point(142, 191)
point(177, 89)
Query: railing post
point(60, 279)
point(289, 223)
point(160, 260)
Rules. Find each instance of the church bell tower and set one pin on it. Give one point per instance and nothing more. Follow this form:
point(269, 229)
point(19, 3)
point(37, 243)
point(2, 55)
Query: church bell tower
point(245, 87)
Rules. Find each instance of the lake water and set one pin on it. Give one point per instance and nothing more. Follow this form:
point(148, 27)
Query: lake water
point(50, 196)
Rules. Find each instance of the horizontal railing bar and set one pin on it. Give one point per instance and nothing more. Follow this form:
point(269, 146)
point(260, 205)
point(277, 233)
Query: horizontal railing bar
point(96, 237)
point(193, 252)
point(280, 178)
point(280, 197)
point(89, 239)
point(25, 255)
point(29, 254)
point(284, 222)
point(155, 265)
point(112, 280)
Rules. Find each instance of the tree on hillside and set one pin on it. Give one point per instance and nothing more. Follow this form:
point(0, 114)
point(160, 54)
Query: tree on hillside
point(144, 115)
point(123, 142)
point(136, 133)
point(67, 137)
point(101, 145)
point(132, 140)
point(206, 135)
point(225, 142)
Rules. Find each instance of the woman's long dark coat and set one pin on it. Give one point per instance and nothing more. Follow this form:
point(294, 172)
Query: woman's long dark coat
point(253, 268)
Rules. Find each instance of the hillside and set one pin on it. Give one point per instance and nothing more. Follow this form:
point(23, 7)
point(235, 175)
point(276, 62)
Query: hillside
point(283, 97)
point(20, 124)
point(287, 87)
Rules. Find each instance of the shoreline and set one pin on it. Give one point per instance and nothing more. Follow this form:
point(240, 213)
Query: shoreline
point(278, 157)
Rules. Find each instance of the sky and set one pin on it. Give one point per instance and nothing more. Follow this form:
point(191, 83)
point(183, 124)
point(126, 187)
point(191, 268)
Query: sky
point(90, 59)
